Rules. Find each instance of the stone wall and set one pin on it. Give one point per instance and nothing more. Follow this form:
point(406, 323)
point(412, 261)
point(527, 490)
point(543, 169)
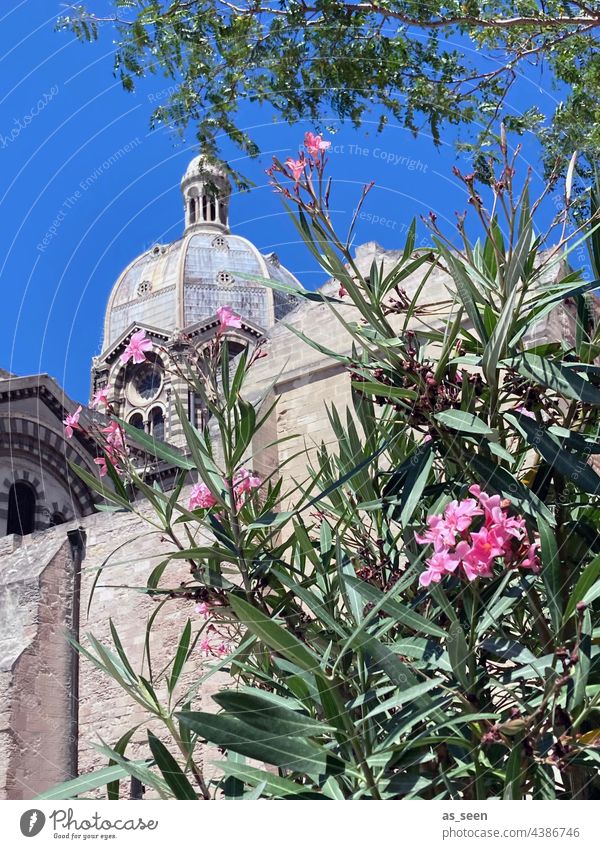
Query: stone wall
point(130, 549)
point(37, 746)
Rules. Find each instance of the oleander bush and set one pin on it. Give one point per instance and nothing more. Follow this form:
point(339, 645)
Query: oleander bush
point(421, 620)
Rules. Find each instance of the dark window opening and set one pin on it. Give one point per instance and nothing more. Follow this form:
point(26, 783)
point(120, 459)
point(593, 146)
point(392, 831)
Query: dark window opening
point(57, 519)
point(21, 509)
point(213, 210)
point(157, 423)
point(137, 421)
point(192, 210)
point(204, 208)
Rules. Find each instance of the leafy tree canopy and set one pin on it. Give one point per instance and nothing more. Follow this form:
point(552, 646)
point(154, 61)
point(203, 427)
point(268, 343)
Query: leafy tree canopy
point(424, 64)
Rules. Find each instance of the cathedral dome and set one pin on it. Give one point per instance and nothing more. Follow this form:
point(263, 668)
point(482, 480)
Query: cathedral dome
point(173, 287)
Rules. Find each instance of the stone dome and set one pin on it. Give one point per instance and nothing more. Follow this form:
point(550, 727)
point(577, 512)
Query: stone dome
point(174, 286)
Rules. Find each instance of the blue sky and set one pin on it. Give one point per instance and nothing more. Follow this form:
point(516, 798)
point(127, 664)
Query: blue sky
point(69, 225)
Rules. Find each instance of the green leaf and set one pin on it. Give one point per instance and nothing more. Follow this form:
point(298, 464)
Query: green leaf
point(155, 448)
point(583, 667)
point(285, 752)
point(584, 585)
point(275, 785)
point(555, 376)
point(459, 654)
point(568, 463)
point(273, 635)
point(84, 783)
point(466, 422)
point(496, 346)
point(371, 387)
point(180, 657)
point(401, 613)
point(419, 469)
point(514, 776)
point(505, 484)
point(466, 290)
point(255, 708)
point(112, 788)
point(551, 572)
point(170, 769)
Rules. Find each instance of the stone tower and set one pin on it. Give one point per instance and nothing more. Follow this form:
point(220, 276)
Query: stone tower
point(173, 291)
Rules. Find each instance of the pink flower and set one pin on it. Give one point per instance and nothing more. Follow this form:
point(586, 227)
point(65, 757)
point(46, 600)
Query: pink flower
point(244, 481)
point(342, 292)
point(100, 461)
point(201, 496)
point(296, 166)
point(524, 412)
point(114, 436)
point(315, 144)
point(438, 534)
point(440, 564)
point(532, 561)
point(459, 514)
point(228, 318)
point(205, 645)
point(208, 648)
point(488, 502)
point(204, 609)
point(138, 345)
point(71, 422)
point(100, 397)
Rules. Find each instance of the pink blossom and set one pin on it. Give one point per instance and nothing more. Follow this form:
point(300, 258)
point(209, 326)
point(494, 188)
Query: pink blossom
point(245, 481)
point(524, 412)
point(204, 609)
point(458, 515)
point(100, 397)
point(500, 539)
point(114, 436)
point(437, 534)
point(101, 462)
point(205, 645)
point(135, 350)
point(71, 422)
point(531, 561)
point(342, 292)
point(208, 648)
point(201, 496)
point(488, 502)
point(296, 166)
point(228, 318)
point(441, 563)
point(315, 144)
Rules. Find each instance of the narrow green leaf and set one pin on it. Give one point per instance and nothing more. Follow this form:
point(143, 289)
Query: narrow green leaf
point(180, 656)
point(273, 635)
point(84, 783)
point(170, 770)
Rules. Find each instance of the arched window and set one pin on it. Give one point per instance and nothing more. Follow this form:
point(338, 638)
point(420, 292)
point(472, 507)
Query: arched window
point(213, 210)
point(192, 210)
point(157, 423)
point(21, 509)
point(204, 208)
point(137, 421)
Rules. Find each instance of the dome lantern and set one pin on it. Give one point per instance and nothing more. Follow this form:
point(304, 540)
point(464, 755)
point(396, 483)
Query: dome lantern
point(206, 189)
